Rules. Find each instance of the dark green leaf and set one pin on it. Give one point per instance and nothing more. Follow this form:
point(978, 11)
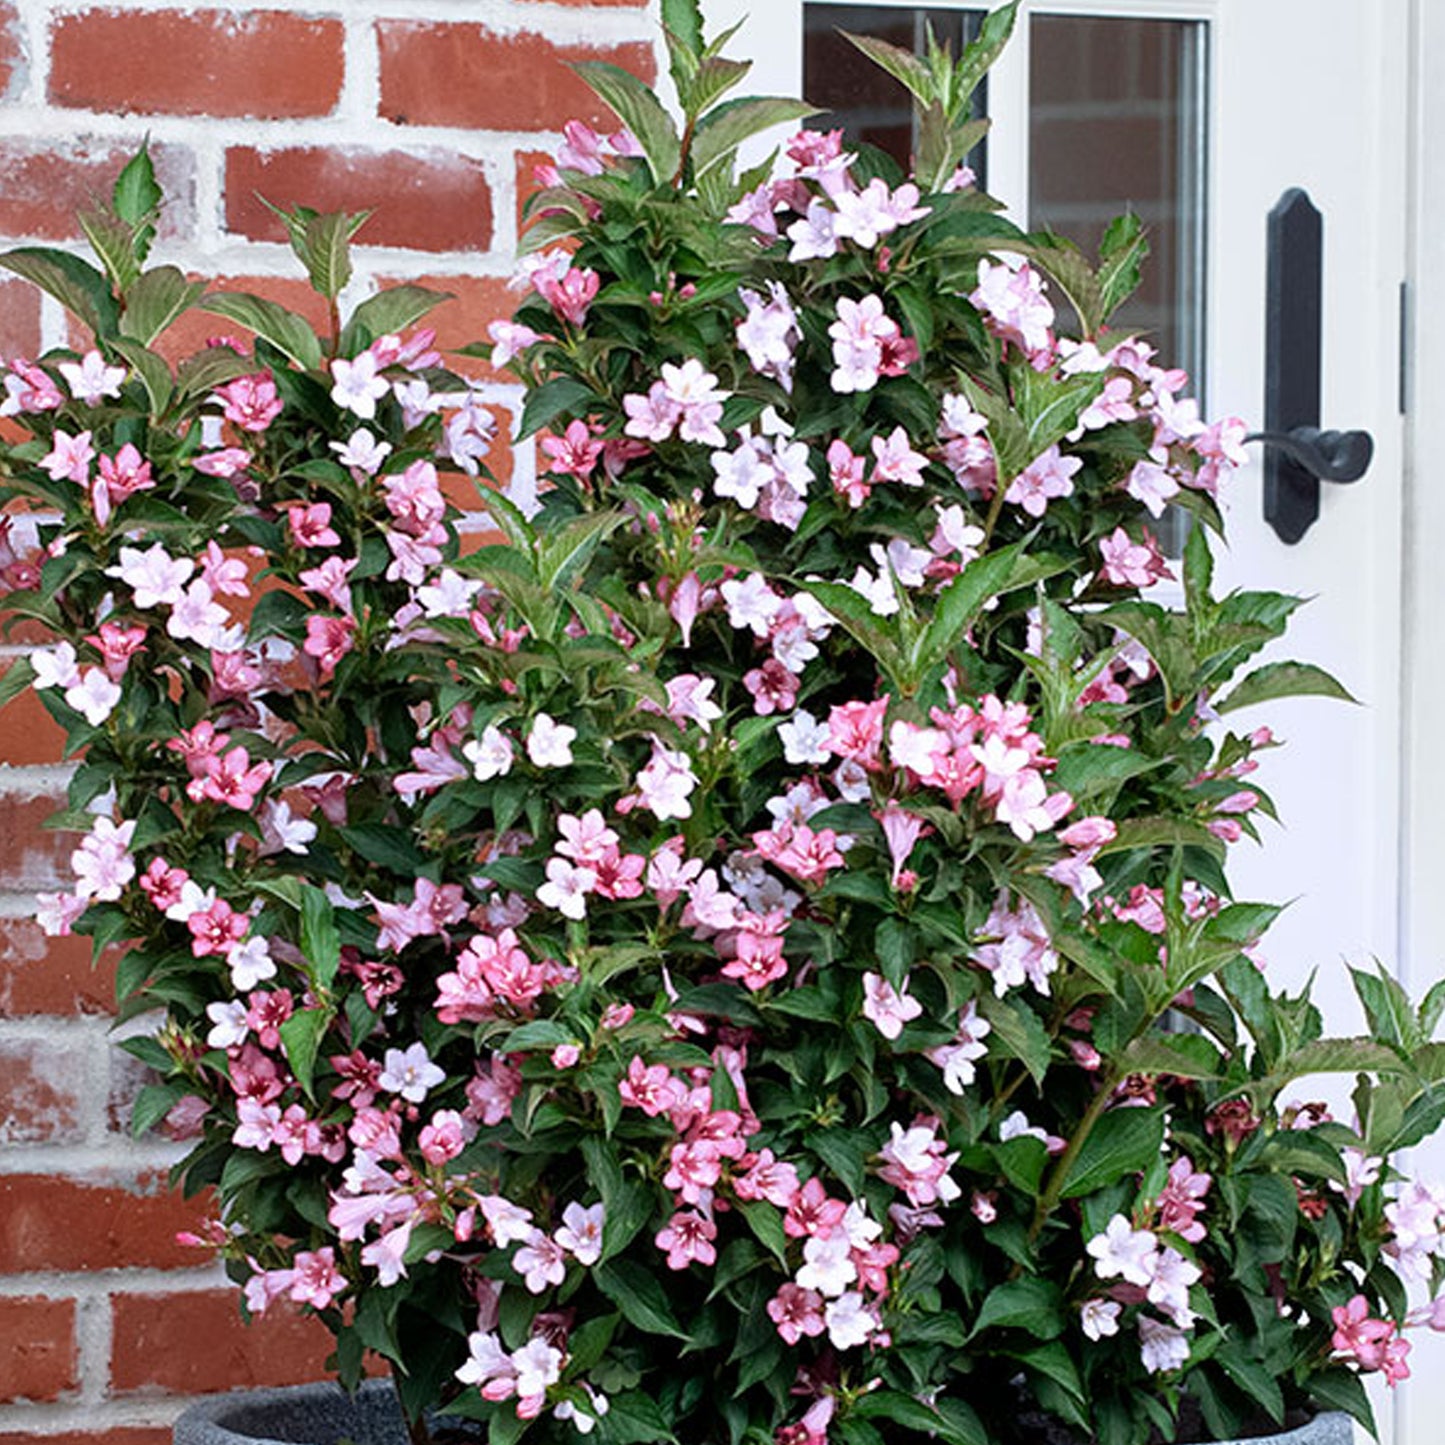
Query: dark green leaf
point(155, 300)
point(637, 1293)
point(1024, 1304)
point(78, 286)
point(561, 396)
point(301, 1041)
point(320, 942)
point(1283, 679)
point(1125, 1141)
point(721, 132)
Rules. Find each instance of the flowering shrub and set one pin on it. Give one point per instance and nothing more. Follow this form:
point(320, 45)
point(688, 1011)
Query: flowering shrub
point(767, 909)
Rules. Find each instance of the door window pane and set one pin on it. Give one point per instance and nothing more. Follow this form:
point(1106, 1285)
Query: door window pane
point(872, 107)
point(1116, 123)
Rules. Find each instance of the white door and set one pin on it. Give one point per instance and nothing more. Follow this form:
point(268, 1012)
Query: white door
point(1200, 114)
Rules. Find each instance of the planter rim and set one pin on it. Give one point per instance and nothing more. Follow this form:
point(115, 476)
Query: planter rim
point(237, 1417)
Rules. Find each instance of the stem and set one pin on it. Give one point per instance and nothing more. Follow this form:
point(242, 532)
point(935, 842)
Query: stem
point(418, 1431)
point(1050, 1197)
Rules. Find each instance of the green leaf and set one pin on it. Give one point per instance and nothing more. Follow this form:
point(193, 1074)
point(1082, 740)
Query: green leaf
point(1025, 1304)
point(1283, 679)
point(640, 111)
point(301, 1041)
point(1253, 1378)
point(155, 300)
point(684, 19)
point(1019, 1031)
point(284, 329)
point(389, 311)
point(320, 941)
point(154, 374)
point(900, 1409)
point(1121, 258)
point(77, 285)
point(15, 679)
point(564, 554)
point(1187, 1056)
point(326, 250)
point(136, 193)
point(903, 65)
point(1125, 1141)
point(385, 845)
point(113, 243)
point(637, 1293)
point(634, 1419)
point(721, 132)
point(767, 1225)
point(152, 1105)
point(555, 398)
point(962, 602)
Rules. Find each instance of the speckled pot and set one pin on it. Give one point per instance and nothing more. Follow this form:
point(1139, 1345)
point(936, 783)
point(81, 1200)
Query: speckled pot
point(325, 1415)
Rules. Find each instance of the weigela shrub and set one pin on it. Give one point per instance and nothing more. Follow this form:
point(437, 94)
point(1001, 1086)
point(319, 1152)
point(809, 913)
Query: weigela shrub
point(745, 952)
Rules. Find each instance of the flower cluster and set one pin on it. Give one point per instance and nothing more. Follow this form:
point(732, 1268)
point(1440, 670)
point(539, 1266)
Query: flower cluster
point(748, 906)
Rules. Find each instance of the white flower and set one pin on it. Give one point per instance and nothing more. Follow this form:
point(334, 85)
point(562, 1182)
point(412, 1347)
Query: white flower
point(94, 696)
point(451, 595)
point(154, 577)
point(1099, 1317)
point(876, 591)
point(91, 380)
point(228, 1024)
point(540, 1262)
point(362, 452)
point(193, 899)
point(813, 237)
point(197, 616)
point(410, 1073)
point(886, 1008)
point(581, 1232)
point(804, 739)
point(510, 1223)
point(538, 1365)
point(357, 387)
point(861, 1230)
point(566, 888)
point(549, 745)
point(487, 1361)
point(250, 964)
point(751, 603)
point(281, 833)
point(666, 783)
point(827, 1263)
point(1123, 1251)
point(490, 755)
point(54, 666)
point(1161, 1346)
point(1170, 1276)
point(849, 1321)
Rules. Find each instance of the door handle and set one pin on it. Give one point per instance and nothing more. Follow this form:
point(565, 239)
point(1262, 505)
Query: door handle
point(1298, 455)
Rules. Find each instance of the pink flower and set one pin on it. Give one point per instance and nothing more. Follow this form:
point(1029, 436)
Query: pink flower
point(574, 453)
point(649, 1087)
point(311, 525)
point(687, 1239)
point(1181, 1200)
point(571, 293)
point(250, 402)
point(217, 929)
point(796, 1312)
point(1127, 563)
point(886, 1008)
point(855, 731)
point(69, 457)
point(759, 959)
point(328, 640)
point(1046, 477)
point(541, 1262)
point(232, 779)
point(316, 1281)
point(1361, 1337)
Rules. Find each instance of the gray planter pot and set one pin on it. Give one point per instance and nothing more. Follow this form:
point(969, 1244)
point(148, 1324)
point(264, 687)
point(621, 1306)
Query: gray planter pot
point(324, 1415)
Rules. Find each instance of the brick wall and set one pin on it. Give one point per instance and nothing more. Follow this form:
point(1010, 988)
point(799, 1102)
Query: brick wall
point(429, 113)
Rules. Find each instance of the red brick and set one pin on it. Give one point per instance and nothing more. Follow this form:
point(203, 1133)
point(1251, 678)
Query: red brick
point(135, 1435)
point(423, 201)
point(589, 4)
point(53, 1223)
point(40, 975)
point(156, 1344)
point(28, 734)
point(38, 1361)
point(40, 1098)
point(264, 63)
point(44, 183)
point(19, 319)
point(32, 856)
point(467, 75)
point(9, 47)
